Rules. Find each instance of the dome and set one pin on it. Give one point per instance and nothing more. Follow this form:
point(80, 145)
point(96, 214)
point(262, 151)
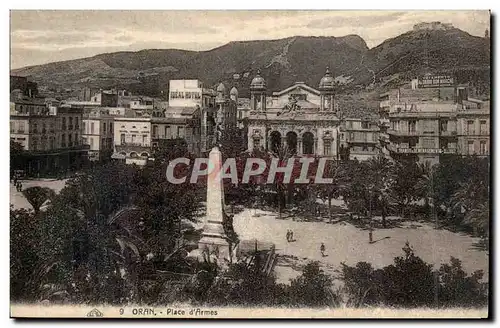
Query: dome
point(258, 82)
point(234, 92)
point(221, 88)
point(327, 81)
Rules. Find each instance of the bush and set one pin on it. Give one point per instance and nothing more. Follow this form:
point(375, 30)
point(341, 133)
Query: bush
point(411, 282)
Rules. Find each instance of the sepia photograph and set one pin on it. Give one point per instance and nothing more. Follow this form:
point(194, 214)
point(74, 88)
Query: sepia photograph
point(281, 164)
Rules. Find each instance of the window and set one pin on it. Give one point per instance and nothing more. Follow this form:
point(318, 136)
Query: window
point(349, 124)
point(44, 128)
point(70, 140)
point(52, 143)
point(63, 140)
point(256, 144)
point(21, 127)
point(35, 127)
point(180, 131)
point(351, 136)
point(470, 127)
point(240, 115)
point(428, 126)
point(144, 139)
point(365, 148)
point(91, 140)
point(92, 128)
point(482, 147)
point(122, 138)
point(110, 127)
point(365, 125)
point(34, 143)
point(327, 146)
point(167, 132)
point(155, 131)
point(134, 138)
point(76, 123)
point(483, 127)
point(428, 143)
point(11, 127)
point(70, 124)
point(470, 147)
point(412, 126)
point(104, 127)
point(64, 123)
point(84, 127)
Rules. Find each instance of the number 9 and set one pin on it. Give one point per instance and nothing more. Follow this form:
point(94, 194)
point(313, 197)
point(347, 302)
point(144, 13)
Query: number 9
point(122, 311)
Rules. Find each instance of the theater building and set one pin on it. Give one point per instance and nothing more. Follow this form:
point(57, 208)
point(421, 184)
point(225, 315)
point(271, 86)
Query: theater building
point(300, 118)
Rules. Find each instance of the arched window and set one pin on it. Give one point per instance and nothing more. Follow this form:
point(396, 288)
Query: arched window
point(291, 141)
point(308, 143)
point(275, 141)
point(145, 154)
point(133, 154)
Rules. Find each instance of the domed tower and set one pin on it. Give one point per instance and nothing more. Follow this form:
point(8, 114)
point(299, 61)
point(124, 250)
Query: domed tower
point(233, 94)
point(327, 91)
point(221, 93)
point(258, 93)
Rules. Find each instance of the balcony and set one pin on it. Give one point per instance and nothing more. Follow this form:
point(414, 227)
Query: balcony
point(403, 132)
point(70, 127)
point(415, 150)
point(19, 131)
point(448, 133)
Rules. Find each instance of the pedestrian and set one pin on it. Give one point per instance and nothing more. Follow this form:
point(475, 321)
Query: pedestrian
point(288, 235)
point(322, 249)
point(291, 235)
point(20, 187)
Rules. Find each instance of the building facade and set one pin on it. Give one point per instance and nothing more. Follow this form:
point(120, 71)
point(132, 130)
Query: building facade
point(52, 139)
point(132, 139)
point(433, 118)
point(178, 123)
point(299, 118)
point(359, 138)
point(98, 133)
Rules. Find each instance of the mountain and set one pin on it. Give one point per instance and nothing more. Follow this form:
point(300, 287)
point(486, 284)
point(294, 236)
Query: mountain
point(282, 62)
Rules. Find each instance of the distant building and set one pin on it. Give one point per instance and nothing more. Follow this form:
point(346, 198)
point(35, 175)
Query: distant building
point(106, 98)
point(51, 137)
point(98, 133)
point(300, 117)
point(435, 26)
point(132, 138)
point(178, 123)
point(27, 87)
point(359, 138)
point(433, 118)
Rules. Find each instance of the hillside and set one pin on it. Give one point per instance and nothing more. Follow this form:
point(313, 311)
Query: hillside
point(282, 62)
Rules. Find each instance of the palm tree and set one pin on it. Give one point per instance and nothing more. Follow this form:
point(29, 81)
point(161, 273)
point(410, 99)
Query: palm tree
point(381, 177)
point(283, 154)
point(425, 184)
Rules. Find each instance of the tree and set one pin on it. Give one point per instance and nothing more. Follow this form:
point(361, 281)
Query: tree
point(405, 185)
point(16, 154)
point(381, 179)
point(37, 196)
point(312, 288)
point(336, 171)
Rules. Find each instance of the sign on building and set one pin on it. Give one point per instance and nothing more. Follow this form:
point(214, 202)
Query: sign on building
point(433, 81)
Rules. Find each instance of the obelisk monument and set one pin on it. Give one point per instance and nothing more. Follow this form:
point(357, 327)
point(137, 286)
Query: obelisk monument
point(214, 236)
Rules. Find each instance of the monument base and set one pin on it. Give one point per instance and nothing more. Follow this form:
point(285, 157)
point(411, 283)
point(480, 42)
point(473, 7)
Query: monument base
point(218, 247)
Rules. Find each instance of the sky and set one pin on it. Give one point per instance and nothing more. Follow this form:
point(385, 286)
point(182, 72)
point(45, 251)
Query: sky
point(39, 37)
